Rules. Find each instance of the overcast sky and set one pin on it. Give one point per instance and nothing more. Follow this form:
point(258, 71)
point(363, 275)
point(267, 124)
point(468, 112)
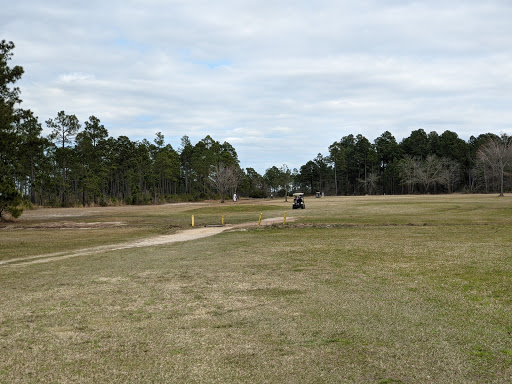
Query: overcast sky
point(279, 80)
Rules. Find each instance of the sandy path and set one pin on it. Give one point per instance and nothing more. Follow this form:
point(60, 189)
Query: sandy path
point(184, 235)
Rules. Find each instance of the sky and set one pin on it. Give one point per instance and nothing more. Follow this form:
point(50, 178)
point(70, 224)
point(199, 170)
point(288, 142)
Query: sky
point(278, 80)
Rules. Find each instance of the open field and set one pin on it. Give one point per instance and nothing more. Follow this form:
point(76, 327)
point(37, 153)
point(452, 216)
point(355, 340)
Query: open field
point(387, 289)
point(62, 229)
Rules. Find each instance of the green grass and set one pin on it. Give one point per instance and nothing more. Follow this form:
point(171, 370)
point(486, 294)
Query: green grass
point(359, 290)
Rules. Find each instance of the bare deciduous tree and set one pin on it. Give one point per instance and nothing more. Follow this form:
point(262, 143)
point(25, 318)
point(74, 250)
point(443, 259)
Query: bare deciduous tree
point(370, 183)
point(450, 174)
point(408, 171)
point(286, 179)
point(496, 154)
point(224, 179)
point(429, 171)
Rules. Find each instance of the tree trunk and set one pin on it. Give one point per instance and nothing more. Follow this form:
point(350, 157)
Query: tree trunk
point(502, 182)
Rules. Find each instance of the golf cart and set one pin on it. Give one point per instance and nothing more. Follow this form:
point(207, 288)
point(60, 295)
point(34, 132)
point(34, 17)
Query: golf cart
point(298, 201)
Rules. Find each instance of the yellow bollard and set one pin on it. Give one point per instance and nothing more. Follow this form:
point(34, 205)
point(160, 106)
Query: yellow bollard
point(192, 220)
point(222, 221)
point(259, 221)
point(284, 220)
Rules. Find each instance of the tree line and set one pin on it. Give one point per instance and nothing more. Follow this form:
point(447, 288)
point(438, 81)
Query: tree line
point(80, 164)
point(421, 163)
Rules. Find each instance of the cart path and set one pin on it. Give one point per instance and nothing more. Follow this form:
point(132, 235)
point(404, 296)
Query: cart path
point(183, 235)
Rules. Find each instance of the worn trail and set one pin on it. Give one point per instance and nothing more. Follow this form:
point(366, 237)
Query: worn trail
point(184, 235)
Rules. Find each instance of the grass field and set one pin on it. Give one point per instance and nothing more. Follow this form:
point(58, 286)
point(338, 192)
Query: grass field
point(387, 289)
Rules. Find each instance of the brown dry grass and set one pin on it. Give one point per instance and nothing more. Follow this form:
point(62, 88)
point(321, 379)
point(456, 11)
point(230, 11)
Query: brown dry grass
point(383, 290)
point(52, 230)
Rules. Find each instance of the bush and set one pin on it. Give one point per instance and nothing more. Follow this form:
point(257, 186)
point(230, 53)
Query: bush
point(27, 204)
point(258, 195)
point(10, 199)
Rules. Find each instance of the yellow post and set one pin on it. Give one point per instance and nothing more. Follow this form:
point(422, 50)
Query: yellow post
point(259, 221)
point(222, 221)
point(284, 220)
point(192, 220)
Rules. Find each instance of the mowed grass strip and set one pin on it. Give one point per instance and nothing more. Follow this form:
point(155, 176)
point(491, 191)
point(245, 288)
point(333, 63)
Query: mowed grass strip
point(411, 210)
point(362, 303)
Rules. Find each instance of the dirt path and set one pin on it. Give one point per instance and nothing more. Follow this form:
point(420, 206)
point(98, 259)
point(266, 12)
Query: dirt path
point(184, 235)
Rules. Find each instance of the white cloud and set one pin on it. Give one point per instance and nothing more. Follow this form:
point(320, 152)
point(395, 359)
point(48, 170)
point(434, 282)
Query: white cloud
point(279, 80)
point(75, 77)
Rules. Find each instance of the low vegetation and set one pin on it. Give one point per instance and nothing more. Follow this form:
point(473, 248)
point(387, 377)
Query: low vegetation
point(357, 290)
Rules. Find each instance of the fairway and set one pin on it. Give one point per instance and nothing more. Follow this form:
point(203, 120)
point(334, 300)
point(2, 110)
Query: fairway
point(365, 289)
